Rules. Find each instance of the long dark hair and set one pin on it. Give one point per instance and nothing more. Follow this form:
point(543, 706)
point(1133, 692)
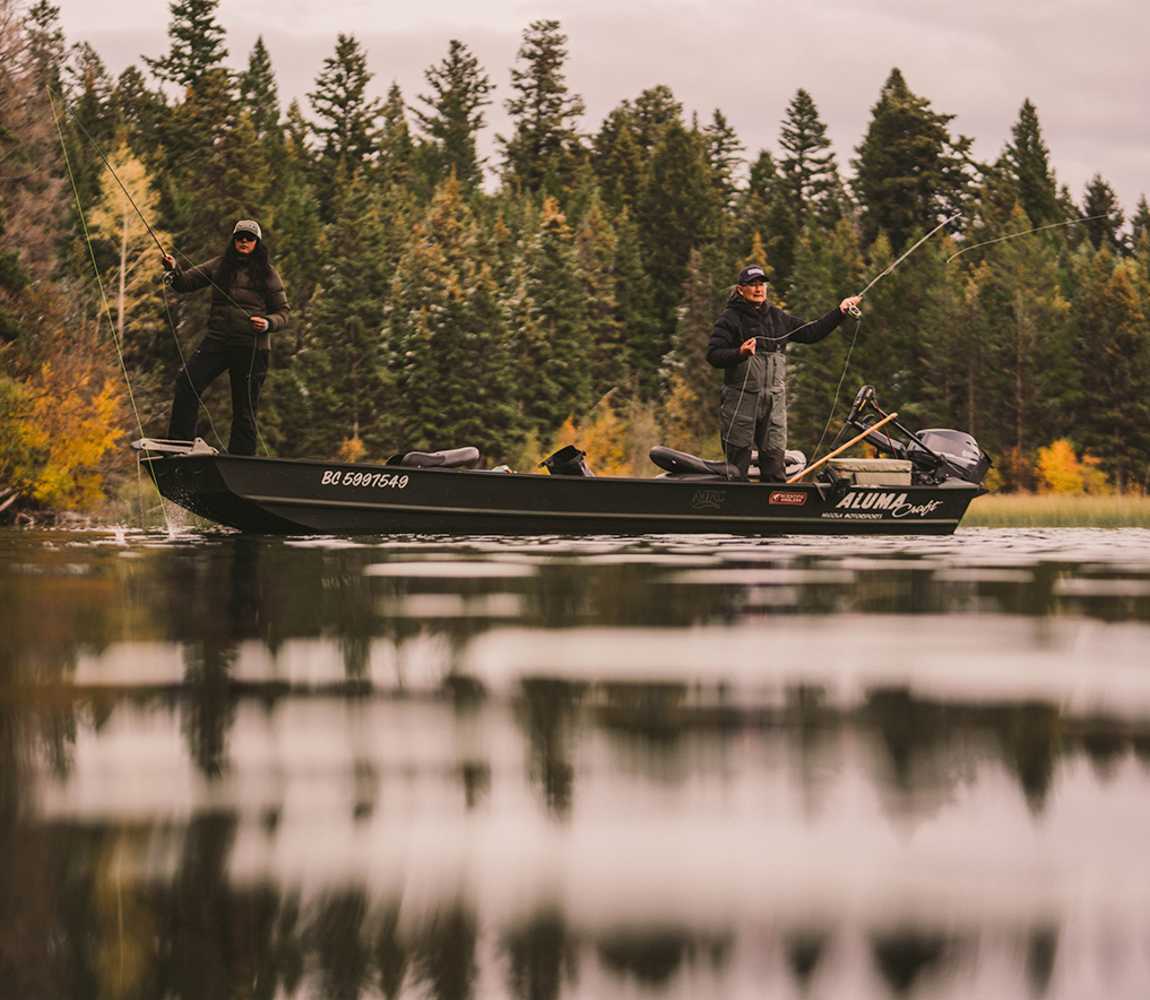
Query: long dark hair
point(257, 262)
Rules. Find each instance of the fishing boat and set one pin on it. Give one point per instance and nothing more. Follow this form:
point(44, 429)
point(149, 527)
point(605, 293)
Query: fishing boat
point(922, 486)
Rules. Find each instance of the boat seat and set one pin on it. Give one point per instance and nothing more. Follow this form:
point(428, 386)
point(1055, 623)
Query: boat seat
point(680, 463)
point(450, 458)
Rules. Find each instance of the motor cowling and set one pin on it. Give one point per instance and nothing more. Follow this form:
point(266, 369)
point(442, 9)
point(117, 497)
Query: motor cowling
point(964, 458)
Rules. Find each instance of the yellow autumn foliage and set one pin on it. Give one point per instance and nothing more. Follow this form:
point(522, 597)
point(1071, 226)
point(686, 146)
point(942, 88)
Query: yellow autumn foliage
point(1059, 470)
point(351, 449)
point(61, 431)
point(616, 443)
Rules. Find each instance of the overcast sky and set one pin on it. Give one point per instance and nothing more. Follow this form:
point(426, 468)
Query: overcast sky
point(1084, 63)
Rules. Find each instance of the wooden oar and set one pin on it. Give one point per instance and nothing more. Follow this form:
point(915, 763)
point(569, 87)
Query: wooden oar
point(843, 447)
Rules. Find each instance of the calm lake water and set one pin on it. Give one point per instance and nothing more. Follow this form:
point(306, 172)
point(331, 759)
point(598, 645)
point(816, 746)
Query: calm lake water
point(671, 767)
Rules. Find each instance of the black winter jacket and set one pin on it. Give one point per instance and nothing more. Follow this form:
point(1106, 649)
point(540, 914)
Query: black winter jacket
point(742, 319)
point(229, 318)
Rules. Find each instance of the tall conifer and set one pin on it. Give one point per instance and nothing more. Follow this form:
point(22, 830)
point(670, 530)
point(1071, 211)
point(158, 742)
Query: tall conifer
point(910, 172)
point(1113, 422)
point(1100, 205)
point(541, 152)
point(447, 344)
point(347, 117)
point(596, 246)
point(1029, 158)
point(197, 43)
point(460, 90)
point(809, 172)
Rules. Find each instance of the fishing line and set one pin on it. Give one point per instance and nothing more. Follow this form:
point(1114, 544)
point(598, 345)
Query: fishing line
point(890, 267)
point(855, 312)
point(184, 365)
point(1027, 232)
point(246, 312)
point(99, 279)
point(838, 388)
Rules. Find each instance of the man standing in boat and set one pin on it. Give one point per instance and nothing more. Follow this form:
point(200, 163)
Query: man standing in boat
point(749, 343)
point(248, 304)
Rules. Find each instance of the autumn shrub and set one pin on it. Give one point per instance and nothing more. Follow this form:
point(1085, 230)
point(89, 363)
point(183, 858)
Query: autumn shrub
point(1059, 470)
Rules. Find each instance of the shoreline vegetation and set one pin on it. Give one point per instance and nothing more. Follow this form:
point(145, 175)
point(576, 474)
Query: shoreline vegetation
point(1058, 510)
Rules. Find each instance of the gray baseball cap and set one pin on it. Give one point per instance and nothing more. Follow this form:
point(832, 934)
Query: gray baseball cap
point(248, 226)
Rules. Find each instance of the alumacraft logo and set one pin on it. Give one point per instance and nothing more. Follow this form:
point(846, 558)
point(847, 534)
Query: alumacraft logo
point(893, 504)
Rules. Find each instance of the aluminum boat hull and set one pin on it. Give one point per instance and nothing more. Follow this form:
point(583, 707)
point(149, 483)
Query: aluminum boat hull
point(280, 496)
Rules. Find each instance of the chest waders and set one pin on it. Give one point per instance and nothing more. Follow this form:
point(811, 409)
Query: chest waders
point(753, 414)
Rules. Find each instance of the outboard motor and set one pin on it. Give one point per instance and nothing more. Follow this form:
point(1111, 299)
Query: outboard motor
point(964, 458)
point(937, 454)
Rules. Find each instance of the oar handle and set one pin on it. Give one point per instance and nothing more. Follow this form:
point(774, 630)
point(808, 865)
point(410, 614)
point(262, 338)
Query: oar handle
point(843, 447)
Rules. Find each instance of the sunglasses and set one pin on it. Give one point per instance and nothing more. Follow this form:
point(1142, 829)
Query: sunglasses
point(243, 238)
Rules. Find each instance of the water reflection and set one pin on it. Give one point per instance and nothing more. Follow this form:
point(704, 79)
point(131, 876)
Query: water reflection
point(351, 769)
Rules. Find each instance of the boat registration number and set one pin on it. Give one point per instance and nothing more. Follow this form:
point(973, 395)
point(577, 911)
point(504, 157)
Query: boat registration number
point(378, 480)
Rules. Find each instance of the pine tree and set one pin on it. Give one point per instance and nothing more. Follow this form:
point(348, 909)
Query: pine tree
point(655, 111)
point(447, 344)
point(341, 364)
point(1101, 206)
point(140, 109)
point(809, 172)
point(544, 146)
point(396, 147)
point(554, 286)
point(197, 43)
point(460, 92)
point(1024, 312)
point(259, 97)
point(346, 130)
point(723, 149)
point(678, 210)
point(93, 114)
point(640, 311)
point(910, 173)
point(828, 266)
point(1114, 418)
point(618, 160)
point(596, 247)
point(46, 46)
point(1140, 223)
point(1029, 159)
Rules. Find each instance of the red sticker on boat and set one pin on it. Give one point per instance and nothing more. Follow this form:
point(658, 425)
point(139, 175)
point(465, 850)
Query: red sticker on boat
point(788, 499)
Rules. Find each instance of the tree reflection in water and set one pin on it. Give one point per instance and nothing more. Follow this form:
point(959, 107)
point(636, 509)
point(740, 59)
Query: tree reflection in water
point(315, 788)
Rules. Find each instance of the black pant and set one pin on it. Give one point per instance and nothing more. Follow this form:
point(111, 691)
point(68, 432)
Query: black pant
point(246, 366)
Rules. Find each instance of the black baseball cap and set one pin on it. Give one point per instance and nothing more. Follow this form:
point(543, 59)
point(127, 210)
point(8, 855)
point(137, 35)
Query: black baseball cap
point(752, 275)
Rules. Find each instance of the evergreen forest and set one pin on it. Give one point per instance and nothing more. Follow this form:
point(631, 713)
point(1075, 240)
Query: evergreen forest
point(561, 290)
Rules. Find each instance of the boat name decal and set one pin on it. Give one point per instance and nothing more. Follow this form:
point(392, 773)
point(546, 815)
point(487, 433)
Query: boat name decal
point(707, 499)
point(788, 499)
point(893, 504)
point(351, 477)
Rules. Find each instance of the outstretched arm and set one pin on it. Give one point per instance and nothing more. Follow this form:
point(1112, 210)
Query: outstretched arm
point(192, 279)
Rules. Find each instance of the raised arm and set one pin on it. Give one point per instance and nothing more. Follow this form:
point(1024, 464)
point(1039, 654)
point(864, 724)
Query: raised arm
point(193, 278)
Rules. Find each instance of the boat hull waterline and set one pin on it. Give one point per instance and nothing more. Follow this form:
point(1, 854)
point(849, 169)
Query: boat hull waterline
point(305, 496)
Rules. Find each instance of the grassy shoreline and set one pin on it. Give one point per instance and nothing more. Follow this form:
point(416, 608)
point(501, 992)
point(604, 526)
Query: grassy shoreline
point(1052, 510)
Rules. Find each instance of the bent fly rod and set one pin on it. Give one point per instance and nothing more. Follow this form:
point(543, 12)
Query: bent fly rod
point(854, 310)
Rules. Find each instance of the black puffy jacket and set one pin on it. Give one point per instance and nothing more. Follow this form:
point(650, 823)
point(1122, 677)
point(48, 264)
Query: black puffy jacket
point(742, 320)
point(229, 319)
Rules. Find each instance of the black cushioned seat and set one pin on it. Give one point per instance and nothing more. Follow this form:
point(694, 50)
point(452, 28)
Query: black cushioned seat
point(451, 458)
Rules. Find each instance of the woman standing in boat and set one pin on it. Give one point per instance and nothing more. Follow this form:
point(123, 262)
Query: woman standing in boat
point(248, 304)
point(749, 343)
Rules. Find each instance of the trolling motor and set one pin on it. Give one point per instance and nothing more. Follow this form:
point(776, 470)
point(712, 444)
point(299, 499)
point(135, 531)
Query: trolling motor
point(935, 454)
